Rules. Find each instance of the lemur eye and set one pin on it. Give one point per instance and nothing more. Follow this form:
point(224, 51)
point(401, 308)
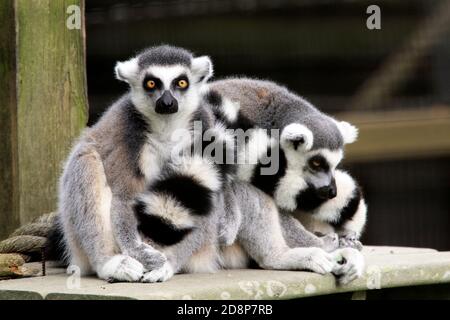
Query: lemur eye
point(315, 164)
point(151, 84)
point(182, 84)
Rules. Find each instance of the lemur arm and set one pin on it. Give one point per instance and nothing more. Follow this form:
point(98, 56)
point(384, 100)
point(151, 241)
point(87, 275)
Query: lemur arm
point(261, 235)
point(126, 233)
point(296, 235)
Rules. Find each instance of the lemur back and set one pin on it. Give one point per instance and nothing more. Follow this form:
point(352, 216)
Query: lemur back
point(309, 143)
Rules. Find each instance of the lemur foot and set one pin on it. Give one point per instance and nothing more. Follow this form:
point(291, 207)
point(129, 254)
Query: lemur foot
point(150, 258)
point(330, 242)
point(350, 241)
point(121, 268)
point(349, 265)
point(159, 275)
point(317, 260)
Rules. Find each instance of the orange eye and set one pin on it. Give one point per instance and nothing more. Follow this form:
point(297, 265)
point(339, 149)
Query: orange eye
point(151, 84)
point(182, 84)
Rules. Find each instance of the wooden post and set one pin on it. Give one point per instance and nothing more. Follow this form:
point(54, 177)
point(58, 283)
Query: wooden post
point(43, 101)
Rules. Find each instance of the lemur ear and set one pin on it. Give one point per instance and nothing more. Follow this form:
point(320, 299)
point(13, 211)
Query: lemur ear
point(202, 68)
point(127, 70)
point(297, 136)
point(349, 132)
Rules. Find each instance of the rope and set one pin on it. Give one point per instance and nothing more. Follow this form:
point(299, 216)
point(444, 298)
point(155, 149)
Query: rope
point(24, 243)
point(30, 238)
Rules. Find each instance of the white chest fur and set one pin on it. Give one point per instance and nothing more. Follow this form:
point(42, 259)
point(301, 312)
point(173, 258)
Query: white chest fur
point(161, 149)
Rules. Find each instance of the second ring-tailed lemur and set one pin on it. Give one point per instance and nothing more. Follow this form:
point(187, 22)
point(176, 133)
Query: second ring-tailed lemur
point(114, 161)
point(325, 199)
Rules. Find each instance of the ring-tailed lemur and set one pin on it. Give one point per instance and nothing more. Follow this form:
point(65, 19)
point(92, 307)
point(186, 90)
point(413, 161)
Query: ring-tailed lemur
point(113, 162)
point(312, 146)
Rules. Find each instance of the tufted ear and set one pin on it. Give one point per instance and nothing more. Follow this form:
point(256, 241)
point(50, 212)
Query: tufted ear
point(202, 68)
point(349, 132)
point(297, 137)
point(127, 70)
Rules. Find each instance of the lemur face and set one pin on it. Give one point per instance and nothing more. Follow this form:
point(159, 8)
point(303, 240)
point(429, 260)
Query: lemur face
point(309, 177)
point(318, 172)
point(165, 80)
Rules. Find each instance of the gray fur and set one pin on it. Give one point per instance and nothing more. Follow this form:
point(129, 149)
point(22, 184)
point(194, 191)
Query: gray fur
point(262, 238)
point(101, 161)
point(164, 55)
point(297, 235)
point(272, 106)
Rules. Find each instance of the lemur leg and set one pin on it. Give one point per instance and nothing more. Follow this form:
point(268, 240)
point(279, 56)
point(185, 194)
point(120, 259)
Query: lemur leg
point(128, 238)
point(84, 207)
point(76, 254)
point(262, 237)
point(296, 235)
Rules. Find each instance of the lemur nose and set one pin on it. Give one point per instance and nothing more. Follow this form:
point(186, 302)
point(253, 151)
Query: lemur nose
point(326, 193)
point(167, 99)
point(332, 193)
point(166, 104)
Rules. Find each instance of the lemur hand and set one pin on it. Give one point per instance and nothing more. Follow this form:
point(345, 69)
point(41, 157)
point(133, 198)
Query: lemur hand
point(349, 265)
point(150, 258)
point(330, 242)
point(350, 241)
point(159, 275)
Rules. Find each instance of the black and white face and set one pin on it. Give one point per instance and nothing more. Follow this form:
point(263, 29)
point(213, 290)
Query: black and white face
point(309, 177)
point(165, 89)
point(319, 172)
point(168, 87)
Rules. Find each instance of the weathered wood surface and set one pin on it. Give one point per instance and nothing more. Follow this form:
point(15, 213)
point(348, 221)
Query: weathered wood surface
point(388, 135)
point(44, 86)
point(421, 273)
point(9, 213)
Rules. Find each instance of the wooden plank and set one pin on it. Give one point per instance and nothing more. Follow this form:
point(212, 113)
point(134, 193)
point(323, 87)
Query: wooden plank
point(51, 106)
point(9, 213)
point(47, 108)
point(400, 134)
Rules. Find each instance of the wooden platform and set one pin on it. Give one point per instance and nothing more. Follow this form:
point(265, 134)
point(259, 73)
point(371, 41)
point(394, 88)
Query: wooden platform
point(391, 272)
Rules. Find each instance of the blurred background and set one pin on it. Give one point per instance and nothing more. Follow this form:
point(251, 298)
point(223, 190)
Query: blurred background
point(393, 83)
